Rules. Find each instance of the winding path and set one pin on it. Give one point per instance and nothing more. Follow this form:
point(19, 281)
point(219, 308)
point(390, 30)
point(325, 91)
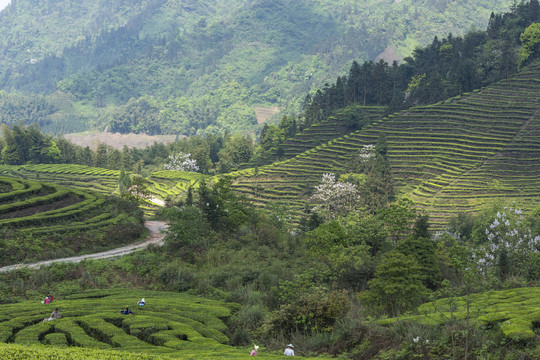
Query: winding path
point(156, 237)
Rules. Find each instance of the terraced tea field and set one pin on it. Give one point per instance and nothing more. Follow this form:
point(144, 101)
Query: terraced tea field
point(449, 157)
point(320, 133)
point(70, 175)
point(162, 184)
point(32, 210)
point(35, 208)
point(515, 312)
point(171, 325)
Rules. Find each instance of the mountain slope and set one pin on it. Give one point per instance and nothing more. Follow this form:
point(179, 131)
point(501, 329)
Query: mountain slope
point(208, 63)
point(449, 157)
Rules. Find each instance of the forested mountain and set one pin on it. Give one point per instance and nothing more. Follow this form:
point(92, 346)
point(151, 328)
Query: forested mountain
point(174, 66)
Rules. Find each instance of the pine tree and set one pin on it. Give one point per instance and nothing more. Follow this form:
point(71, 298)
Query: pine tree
point(124, 182)
point(100, 158)
point(398, 284)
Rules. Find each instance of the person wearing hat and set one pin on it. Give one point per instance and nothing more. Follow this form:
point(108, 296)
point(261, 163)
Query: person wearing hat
point(254, 351)
point(289, 350)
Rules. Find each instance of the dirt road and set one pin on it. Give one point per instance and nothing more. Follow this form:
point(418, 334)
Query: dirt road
point(156, 237)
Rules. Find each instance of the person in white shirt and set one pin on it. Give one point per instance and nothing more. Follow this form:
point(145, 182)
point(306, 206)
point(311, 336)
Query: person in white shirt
point(289, 350)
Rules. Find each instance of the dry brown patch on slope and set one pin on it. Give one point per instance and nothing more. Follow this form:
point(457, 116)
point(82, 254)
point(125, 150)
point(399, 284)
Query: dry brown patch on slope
point(265, 113)
point(117, 140)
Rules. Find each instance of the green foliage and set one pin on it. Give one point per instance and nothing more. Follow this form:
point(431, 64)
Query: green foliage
point(16, 108)
point(138, 191)
point(398, 284)
point(188, 227)
point(422, 249)
point(310, 313)
point(205, 70)
point(398, 218)
point(42, 221)
point(530, 40)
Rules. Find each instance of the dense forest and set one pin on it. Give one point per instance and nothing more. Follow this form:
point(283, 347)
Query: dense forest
point(202, 66)
point(212, 154)
point(448, 67)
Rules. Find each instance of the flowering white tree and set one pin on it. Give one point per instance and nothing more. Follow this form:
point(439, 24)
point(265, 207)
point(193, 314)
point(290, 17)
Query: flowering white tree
point(366, 153)
point(510, 243)
point(181, 162)
point(335, 197)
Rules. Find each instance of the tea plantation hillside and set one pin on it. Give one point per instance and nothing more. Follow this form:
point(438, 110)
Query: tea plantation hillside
point(515, 312)
point(161, 184)
point(448, 157)
point(342, 123)
point(167, 323)
point(171, 325)
point(44, 220)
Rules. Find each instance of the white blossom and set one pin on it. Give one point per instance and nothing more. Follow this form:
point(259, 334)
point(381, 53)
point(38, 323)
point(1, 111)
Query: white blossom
point(367, 152)
point(181, 162)
point(335, 196)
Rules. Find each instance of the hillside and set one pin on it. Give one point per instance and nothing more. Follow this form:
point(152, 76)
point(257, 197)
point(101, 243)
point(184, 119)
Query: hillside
point(449, 157)
point(173, 325)
point(205, 64)
point(43, 220)
point(161, 184)
point(492, 309)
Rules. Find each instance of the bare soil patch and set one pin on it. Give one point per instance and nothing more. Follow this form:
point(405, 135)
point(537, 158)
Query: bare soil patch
point(265, 113)
point(389, 55)
point(116, 140)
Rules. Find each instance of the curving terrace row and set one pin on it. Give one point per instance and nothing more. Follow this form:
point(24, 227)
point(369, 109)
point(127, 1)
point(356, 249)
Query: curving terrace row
point(449, 157)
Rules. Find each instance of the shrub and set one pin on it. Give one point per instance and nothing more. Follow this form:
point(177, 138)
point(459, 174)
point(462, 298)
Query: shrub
point(315, 312)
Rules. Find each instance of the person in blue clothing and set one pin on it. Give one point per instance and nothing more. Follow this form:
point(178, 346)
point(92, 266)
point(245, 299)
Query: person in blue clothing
point(126, 311)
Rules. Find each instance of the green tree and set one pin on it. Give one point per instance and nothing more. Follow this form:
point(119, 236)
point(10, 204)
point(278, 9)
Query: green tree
point(68, 151)
point(187, 227)
point(378, 189)
point(423, 250)
point(399, 218)
point(53, 152)
point(398, 284)
point(114, 160)
point(124, 182)
point(366, 228)
point(84, 156)
point(127, 158)
point(138, 191)
point(530, 44)
point(271, 136)
point(10, 155)
point(322, 240)
point(100, 157)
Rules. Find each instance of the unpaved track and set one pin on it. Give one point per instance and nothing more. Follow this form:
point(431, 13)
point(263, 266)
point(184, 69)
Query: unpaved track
point(156, 237)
